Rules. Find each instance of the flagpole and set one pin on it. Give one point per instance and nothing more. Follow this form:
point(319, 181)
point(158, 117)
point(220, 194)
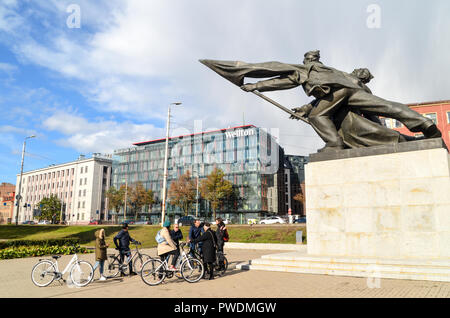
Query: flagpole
point(287, 110)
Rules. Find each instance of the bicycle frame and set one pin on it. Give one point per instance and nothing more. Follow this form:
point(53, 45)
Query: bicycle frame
point(71, 263)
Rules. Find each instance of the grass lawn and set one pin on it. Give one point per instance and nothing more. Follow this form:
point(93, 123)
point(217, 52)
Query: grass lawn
point(146, 233)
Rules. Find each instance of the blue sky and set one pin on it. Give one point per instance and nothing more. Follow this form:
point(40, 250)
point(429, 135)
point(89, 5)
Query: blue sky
point(107, 84)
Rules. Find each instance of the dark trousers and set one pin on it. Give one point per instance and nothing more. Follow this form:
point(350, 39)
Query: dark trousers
point(126, 253)
point(209, 269)
point(321, 116)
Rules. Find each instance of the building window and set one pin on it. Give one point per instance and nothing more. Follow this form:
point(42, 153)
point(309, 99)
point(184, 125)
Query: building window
point(79, 203)
point(79, 193)
point(85, 181)
point(81, 170)
point(84, 204)
point(448, 117)
point(85, 169)
point(432, 116)
point(84, 192)
point(81, 181)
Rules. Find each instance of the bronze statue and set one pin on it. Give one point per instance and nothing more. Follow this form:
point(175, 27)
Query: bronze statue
point(345, 111)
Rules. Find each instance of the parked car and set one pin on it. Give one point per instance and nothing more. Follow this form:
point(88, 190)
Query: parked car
point(143, 223)
point(129, 222)
point(227, 221)
point(300, 220)
point(272, 220)
point(28, 222)
point(95, 222)
point(186, 220)
point(44, 222)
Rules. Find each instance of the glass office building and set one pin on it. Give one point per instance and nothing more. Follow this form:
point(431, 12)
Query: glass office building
point(248, 155)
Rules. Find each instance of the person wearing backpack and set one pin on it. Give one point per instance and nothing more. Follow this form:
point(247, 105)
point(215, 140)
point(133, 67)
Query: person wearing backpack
point(166, 246)
point(209, 241)
point(221, 234)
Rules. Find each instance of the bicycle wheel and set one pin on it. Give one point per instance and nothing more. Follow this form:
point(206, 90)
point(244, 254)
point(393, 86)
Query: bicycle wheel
point(81, 273)
point(153, 272)
point(222, 265)
point(111, 269)
point(192, 270)
point(139, 261)
point(43, 273)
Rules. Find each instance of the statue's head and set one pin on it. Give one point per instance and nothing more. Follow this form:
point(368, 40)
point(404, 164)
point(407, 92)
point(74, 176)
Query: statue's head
point(311, 56)
point(363, 74)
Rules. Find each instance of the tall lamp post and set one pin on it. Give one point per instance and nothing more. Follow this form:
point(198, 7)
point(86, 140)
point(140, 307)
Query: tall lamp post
point(196, 197)
point(18, 196)
point(163, 212)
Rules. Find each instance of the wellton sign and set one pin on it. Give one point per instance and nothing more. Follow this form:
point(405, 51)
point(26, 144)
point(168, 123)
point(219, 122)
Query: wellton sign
point(240, 133)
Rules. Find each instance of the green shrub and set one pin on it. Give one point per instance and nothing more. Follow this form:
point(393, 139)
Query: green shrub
point(50, 242)
point(40, 250)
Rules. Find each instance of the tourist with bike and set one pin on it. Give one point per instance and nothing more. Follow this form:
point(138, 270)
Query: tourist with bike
point(176, 235)
point(100, 252)
point(166, 246)
point(195, 232)
point(209, 240)
point(122, 241)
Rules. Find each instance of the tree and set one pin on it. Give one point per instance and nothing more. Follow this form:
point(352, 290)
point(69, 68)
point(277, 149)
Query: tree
point(139, 197)
point(216, 189)
point(116, 198)
point(182, 192)
point(50, 207)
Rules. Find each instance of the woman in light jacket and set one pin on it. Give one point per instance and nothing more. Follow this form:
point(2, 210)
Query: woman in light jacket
point(168, 247)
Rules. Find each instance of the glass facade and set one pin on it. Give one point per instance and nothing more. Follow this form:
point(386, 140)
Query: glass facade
point(247, 155)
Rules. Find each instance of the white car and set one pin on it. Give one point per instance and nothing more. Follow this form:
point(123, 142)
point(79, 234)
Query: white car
point(272, 220)
point(44, 222)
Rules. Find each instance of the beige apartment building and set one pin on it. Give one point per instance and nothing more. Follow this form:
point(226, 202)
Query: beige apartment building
point(81, 186)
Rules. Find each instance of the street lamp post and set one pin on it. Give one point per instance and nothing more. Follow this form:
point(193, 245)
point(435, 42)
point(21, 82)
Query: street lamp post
point(19, 197)
point(163, 212)
point(196, 204)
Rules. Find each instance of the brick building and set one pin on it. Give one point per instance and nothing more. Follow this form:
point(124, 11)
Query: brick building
point(438, 111)
point(6, 202)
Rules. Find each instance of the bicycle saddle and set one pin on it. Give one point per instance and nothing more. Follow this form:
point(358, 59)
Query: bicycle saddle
point(56, 256)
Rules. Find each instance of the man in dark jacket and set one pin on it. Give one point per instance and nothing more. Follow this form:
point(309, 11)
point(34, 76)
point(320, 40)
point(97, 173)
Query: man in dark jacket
point(122, 241)
point(176, 235)
point(209, 241)
point(194, 232)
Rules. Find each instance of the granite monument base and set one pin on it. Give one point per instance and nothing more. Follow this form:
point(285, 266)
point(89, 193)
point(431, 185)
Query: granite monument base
point(385, 214)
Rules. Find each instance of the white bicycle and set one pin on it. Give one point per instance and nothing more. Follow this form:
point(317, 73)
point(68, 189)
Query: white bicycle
point(46, 271)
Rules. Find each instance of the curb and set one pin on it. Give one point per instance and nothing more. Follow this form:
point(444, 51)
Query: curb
point(266, 246)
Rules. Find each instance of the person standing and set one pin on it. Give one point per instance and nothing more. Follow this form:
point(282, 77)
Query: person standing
point(168, 246)
point(209, 241)
point(221, 234)
point(122, 241)
point(195, 232)
point(100, 252)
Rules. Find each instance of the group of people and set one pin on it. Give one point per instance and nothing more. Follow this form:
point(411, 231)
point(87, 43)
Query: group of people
point(201, 238)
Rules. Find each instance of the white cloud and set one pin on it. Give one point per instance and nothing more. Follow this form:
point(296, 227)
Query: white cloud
point(97, 136)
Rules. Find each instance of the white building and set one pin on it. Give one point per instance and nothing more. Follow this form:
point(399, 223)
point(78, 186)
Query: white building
point(81, 186)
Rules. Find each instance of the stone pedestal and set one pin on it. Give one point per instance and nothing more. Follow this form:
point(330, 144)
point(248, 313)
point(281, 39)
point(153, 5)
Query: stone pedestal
point(390, 206)
point(375, 212)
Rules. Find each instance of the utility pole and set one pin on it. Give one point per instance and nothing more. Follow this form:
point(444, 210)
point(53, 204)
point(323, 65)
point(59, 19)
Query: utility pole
point(196, 204)
point(18, 196)
point(125, 208)
point(163, 212)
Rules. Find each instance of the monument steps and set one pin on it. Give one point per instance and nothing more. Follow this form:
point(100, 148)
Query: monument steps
point(413, 269)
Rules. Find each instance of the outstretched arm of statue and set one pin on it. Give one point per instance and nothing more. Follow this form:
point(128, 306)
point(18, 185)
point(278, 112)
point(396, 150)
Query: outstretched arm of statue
point(302, 112)
point(274, 84)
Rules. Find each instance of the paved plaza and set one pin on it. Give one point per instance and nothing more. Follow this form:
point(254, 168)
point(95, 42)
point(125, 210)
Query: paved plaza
point(15, 281)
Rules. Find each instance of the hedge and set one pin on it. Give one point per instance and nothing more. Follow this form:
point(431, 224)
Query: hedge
point(27, 251)
point(50, 242)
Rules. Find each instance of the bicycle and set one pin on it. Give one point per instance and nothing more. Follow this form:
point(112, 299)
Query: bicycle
point(114, 266)
point(220, 265)
point(46, 271)
point(154, 271)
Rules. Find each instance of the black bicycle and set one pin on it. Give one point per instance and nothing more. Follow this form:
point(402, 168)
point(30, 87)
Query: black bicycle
point(114, 266)
point(220, 265)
